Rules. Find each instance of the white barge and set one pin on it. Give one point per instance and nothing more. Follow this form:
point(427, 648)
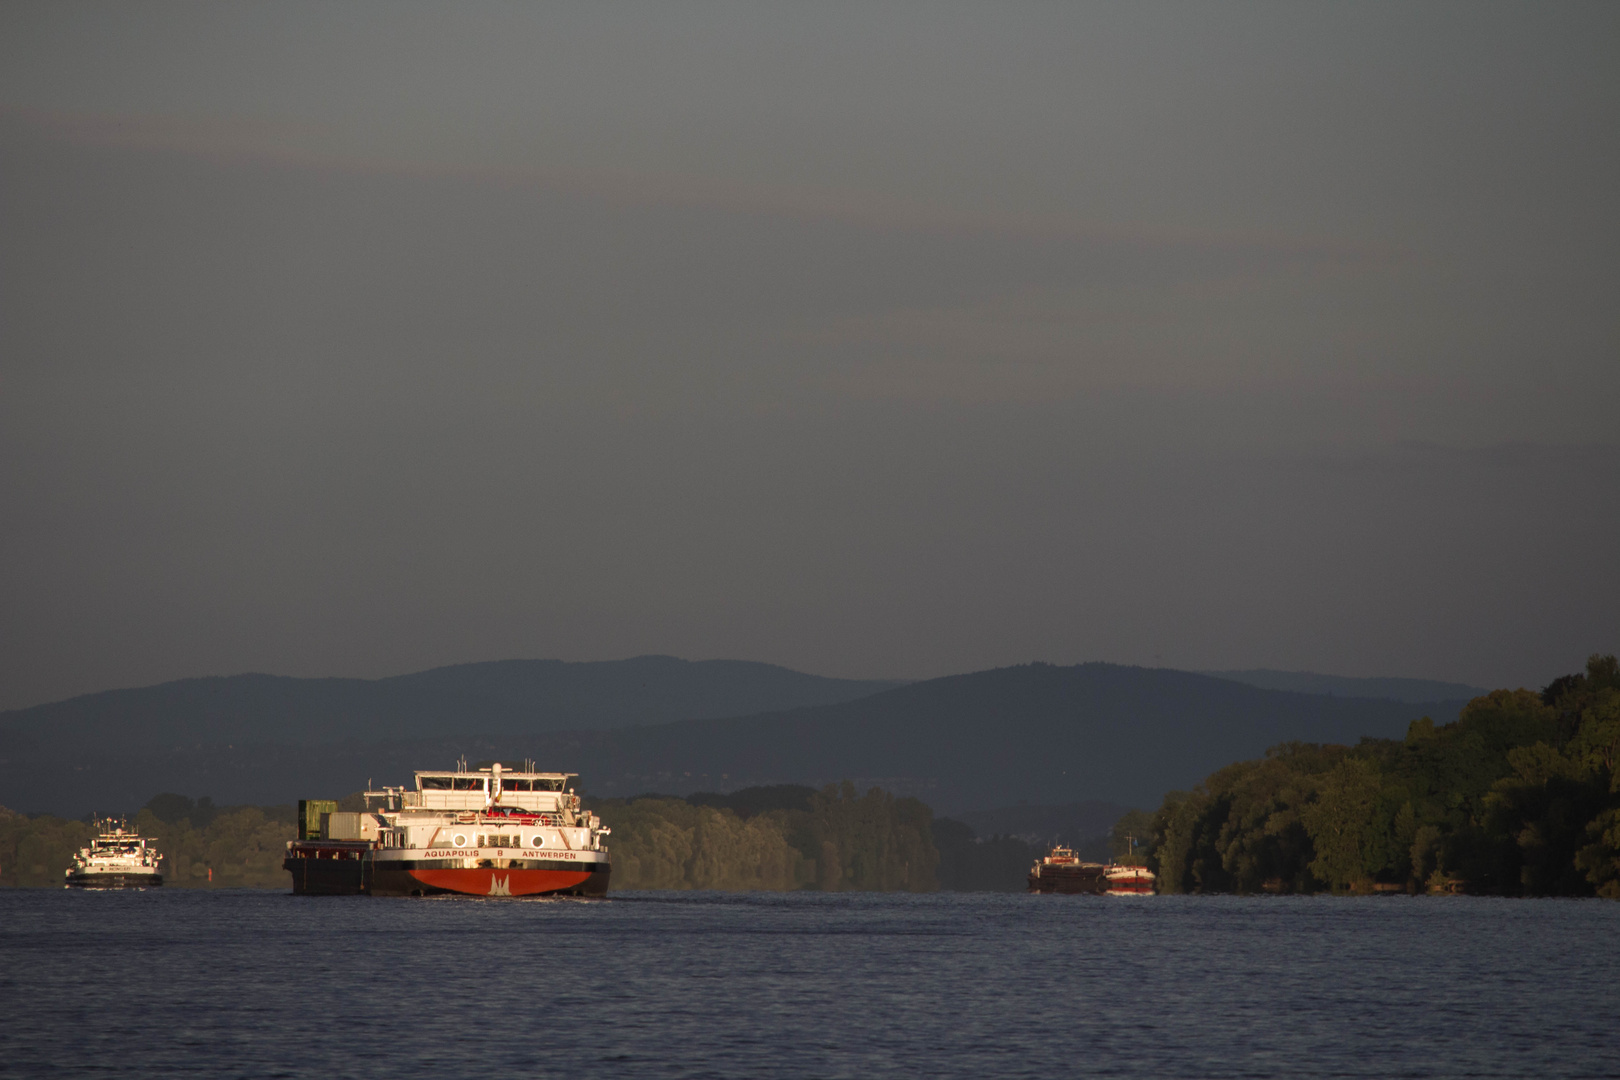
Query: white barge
point(115, 859)
point(481, 832)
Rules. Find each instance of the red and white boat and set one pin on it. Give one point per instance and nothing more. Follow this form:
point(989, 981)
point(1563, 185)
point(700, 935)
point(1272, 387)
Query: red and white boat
point(1129, 880)
point(481, 832)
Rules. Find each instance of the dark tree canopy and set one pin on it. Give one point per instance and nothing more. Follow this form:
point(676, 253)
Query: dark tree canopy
point(1518, 796)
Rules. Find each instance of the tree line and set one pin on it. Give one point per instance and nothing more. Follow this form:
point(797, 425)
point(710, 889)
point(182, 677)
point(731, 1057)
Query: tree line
point(1518, 797)
point(774, 839)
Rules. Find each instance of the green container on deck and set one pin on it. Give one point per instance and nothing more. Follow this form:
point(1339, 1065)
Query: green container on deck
point(309, 816)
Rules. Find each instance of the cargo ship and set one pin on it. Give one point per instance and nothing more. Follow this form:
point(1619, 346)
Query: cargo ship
point(479, 832)
point(1063, 871)
point(115, 859)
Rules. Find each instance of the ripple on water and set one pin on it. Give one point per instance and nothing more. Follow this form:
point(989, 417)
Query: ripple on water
point(806, 984)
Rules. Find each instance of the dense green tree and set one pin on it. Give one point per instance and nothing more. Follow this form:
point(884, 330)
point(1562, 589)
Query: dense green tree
point(1240, 830)
point(671, 844)
point(240, 847)
point(1350, 835)
point(36, 851)
point(834, 839)
point(1560, 806)
point(1599, 860)
point(868, 843)
point(1518, 796)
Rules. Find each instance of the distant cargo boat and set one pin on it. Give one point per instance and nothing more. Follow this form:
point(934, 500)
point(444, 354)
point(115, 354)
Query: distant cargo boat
point(115, 859)
point(1063, 871)
point(483, 832)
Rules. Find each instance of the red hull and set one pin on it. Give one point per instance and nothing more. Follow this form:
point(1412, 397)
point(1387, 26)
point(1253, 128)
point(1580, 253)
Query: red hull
point(504, 882)
point(1130, 881)
point(339, 868)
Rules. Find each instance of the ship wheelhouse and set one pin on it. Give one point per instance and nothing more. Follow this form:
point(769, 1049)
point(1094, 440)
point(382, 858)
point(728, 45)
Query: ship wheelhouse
point(115, 858)
point(487, 789)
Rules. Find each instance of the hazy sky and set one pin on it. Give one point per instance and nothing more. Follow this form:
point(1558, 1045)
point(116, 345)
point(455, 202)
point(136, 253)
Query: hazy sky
point(874, 340)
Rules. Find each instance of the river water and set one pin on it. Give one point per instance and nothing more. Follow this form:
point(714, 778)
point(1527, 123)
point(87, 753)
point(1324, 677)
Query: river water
point(227, 984)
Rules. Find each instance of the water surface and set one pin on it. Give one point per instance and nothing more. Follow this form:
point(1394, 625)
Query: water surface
point(229, 984)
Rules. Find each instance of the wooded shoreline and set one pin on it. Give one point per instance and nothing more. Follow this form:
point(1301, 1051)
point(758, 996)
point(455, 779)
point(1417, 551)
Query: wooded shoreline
point(1518, 797)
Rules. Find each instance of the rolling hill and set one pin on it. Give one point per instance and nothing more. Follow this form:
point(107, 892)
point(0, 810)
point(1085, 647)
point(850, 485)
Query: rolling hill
point(1033, 734)
point(499, 697)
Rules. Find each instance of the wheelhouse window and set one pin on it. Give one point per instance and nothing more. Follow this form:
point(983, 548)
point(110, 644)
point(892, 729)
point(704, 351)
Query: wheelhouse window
point(516, 785)
point(467, 783)
point(435, 783)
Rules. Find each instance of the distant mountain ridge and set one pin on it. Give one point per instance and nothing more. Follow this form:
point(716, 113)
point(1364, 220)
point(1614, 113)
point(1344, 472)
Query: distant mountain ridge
point(497, 697)
point(1310, 682)
point(1033, 734)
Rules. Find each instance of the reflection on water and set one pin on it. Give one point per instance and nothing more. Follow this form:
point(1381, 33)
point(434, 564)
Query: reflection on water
point(806, 984)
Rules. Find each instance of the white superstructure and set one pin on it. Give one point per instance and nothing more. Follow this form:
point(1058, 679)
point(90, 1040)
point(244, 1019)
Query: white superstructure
point(115, 859)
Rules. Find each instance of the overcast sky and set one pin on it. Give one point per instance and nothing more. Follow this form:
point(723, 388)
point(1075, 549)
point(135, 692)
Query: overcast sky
point(873, 340)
